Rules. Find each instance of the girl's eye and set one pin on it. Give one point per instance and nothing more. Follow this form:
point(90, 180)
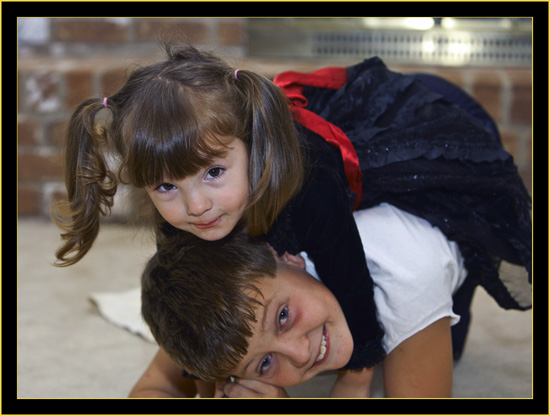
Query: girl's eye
point(165, 187)
point(266, 363)
point(214, 172)
point(283, 316)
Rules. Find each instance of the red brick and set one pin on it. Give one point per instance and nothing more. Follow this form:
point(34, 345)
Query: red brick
point(28, 200)
point(34, 166)
point(232, 32)
point(112, 80)
point(20, 90)
point(487, 90)
point(521, 104)
point(55, 132)
point(89, 30)
point(41, 91)
point(509, 140)
point(79, 87)
point(193, 30)
point(27, 131)
point(452, 75)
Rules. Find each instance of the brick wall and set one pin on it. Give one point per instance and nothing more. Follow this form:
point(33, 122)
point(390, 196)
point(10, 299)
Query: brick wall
point(65, 61)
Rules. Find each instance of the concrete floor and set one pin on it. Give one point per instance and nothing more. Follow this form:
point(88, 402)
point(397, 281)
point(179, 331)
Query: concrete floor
point(67, 350)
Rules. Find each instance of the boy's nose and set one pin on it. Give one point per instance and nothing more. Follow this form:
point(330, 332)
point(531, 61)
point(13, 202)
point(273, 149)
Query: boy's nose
point(298, 350)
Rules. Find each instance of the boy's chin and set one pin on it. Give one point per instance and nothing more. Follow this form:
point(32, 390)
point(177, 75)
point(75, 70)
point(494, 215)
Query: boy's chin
point(344, 354)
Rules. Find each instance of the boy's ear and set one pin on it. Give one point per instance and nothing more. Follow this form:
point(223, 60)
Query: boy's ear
point(294, 260)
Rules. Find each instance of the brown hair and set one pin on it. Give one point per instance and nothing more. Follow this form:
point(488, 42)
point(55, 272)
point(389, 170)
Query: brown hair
point(165, 121)
point(197, 300)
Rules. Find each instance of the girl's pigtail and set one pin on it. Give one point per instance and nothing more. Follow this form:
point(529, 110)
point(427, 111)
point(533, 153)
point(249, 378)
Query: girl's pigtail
point(90, 185)
point(276, 168)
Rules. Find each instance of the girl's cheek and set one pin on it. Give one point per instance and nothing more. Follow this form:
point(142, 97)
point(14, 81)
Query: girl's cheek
point(168, 210)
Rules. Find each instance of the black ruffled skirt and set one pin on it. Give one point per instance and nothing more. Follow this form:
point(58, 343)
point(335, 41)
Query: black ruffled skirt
point(430, 149)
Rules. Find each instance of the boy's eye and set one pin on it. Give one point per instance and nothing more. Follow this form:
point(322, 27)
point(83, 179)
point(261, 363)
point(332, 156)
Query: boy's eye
point(165, 187)
point(266, 363)
point(214, 172)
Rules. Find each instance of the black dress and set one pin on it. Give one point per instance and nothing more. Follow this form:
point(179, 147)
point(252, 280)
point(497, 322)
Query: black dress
point(427, 148)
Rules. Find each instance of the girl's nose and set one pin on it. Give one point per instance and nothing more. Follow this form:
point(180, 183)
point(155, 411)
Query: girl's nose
point(197, 203)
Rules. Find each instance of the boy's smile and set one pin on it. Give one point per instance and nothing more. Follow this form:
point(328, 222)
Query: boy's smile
point(210, 203)
point(300, 331)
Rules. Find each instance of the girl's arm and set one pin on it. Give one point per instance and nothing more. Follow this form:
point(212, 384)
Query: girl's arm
point(422, 365)
point(163, 379)
point(327, 231)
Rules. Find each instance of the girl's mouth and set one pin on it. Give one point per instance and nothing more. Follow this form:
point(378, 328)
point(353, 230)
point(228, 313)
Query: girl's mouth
point(205, 225)
point(323, 348)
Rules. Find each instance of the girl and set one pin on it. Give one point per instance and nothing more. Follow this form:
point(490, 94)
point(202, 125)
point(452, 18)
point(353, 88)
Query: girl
point(215, 145)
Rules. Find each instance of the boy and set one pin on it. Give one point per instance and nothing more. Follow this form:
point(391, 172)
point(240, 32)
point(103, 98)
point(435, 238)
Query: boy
point(225, 317)
point(231, 309)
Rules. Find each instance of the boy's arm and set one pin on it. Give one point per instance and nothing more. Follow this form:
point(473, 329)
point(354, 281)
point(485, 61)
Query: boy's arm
point(422, 365)
point(240, 388)
point(353, 383)
point(163, 379)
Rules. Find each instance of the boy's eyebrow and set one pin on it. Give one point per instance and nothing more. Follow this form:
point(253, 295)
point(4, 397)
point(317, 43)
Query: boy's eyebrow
point(263, 324)
point(266, 307)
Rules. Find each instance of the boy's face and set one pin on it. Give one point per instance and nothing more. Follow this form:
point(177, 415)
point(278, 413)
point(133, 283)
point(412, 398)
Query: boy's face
point(300, 330)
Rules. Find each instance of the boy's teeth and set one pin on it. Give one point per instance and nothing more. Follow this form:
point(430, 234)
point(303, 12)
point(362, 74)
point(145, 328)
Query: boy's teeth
point(323, 349)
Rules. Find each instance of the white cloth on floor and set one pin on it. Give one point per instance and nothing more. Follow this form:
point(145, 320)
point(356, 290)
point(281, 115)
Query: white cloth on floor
point(123, 309)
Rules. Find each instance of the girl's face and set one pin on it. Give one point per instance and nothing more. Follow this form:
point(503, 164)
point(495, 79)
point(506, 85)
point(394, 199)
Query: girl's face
point(300, 331)
point(210, 203)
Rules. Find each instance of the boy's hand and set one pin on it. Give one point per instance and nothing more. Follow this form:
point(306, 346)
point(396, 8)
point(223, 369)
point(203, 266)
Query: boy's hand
point(249, 389)
point(353, 383)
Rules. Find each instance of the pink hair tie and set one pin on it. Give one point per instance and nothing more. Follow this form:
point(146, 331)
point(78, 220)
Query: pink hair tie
point(236, 70)
point(105, 102)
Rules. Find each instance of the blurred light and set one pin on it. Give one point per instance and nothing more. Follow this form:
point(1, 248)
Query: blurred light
point(448, 23)
point(415, 23)
point(428, 46)
point(419, 23)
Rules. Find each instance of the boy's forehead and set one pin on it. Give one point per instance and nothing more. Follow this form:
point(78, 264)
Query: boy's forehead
point(260, 291)
point(287, 279)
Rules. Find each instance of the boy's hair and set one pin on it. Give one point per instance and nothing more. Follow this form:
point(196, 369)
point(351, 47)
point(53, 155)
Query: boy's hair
point(165, 123)
point(197, 298)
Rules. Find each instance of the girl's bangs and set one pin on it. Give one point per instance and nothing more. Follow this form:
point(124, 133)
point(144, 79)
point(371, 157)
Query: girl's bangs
point(163, 148)
point(170, 158)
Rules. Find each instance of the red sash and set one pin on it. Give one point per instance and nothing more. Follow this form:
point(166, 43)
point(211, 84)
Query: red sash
point(292, 84)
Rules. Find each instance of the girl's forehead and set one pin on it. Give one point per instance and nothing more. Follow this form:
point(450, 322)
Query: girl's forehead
point(220, 141)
